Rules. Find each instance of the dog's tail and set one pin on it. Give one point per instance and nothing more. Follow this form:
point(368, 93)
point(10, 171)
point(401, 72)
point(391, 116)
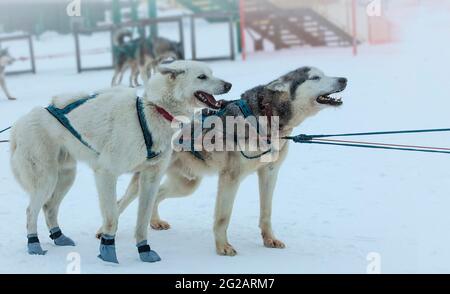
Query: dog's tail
point(120, 35)
point(151, 66)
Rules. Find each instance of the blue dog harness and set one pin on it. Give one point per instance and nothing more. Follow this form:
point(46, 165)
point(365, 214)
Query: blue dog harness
point(145, 130)
point(245, 109)
point(61, 116)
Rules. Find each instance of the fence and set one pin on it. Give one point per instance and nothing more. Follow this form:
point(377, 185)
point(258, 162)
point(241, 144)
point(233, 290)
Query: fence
point(141, 25)
point(31, 53)
point(217, 17)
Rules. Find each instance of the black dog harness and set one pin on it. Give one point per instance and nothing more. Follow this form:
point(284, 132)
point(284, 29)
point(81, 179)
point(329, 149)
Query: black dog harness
point(246, 113)
point(61, 115)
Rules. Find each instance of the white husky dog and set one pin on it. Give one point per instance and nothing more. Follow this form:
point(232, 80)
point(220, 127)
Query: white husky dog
point(114, 133)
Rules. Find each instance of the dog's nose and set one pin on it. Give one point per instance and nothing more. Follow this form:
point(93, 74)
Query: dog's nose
point(343, 81)
point(228, 87)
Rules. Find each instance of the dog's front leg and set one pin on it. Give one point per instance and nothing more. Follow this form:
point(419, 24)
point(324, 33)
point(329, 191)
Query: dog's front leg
point(228, 187)
point(106, 186)
point(121, 74)
point(149, 182)
point(114, 79)
point(135, 76)
point(267, 176)
point(131, 82)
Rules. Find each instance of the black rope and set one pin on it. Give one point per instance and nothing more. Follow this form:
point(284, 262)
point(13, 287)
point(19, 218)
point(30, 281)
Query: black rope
point(2, 131)
point(301, 138)
point(310, 139)
point(8, 128)
point(378, 147)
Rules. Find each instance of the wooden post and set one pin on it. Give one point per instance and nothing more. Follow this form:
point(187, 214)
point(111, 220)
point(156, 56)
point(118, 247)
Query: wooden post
point(231, 27)
point(116, 13)
point(193, 39)
point(135, 17)
point(355, 30)
point(32, 57)
point(181, 31)
point(77, 48)
point(39, 27)
point(153, 13)
point(134, 10)
point(242, 29)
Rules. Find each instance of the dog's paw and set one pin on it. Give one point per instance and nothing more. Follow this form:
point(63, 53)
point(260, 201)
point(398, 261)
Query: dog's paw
point(150, 256)
point(12, 98)
point(159, 225)
point(108, 249)
point(59, 238)
point(146, 254)
point(36, 249)
point(64, 241)
point(274, 243)
point(226, 250)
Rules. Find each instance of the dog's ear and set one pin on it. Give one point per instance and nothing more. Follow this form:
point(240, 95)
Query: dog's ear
point(171, 72)
point(278, 86)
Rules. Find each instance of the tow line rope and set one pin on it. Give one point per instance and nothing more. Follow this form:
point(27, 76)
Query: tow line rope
point(2, 131)
point(5, 130)
point(320, 139)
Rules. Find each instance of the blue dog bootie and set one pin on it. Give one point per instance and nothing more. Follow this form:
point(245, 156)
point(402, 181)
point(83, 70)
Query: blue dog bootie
point(108, 249)
point(146, 254)
point(34, 246)
point(59, 238)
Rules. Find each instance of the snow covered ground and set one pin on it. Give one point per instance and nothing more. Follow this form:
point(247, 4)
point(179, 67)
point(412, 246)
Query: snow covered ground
point(333, 206)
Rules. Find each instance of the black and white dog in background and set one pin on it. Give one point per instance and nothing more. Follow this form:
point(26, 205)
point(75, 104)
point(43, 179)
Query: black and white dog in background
point(5, 60)
point(142, 56)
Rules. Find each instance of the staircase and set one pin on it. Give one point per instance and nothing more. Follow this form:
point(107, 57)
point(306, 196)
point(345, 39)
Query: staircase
point(204, 6)
point(287, 28)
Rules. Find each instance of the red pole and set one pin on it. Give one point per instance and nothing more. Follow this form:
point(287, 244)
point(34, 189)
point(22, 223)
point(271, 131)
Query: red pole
point(355, 41)
point(243, 41)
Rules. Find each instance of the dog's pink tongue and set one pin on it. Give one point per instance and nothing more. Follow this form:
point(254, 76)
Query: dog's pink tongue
point(213, 102)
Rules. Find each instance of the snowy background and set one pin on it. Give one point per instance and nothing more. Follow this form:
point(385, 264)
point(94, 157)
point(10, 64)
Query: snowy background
point(333, 206)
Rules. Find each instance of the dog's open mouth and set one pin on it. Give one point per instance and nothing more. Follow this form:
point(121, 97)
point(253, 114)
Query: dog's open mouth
point(327, 99)
point(208, 100)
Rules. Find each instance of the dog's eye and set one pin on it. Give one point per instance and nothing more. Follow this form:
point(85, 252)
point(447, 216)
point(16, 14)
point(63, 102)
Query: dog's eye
point(315, 78)
point(202, 77)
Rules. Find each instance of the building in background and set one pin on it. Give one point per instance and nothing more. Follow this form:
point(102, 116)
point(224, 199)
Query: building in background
point(284, 23)
point(373, 25)
point(38, 16)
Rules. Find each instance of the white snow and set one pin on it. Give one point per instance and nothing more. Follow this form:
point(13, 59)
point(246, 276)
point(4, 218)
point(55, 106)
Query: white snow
point(333, 206)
